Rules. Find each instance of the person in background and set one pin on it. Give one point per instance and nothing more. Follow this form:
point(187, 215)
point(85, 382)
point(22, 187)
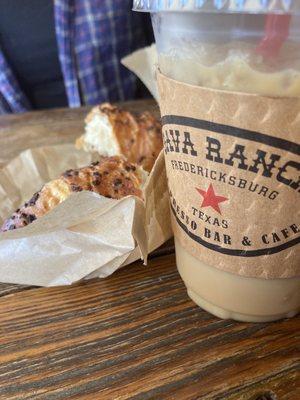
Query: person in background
point(57, 53)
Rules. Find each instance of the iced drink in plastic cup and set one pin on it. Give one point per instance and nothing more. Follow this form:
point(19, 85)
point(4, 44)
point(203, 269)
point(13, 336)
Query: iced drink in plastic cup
point(229, 85)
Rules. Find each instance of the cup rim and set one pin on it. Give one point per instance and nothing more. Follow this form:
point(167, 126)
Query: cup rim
point(219, 6)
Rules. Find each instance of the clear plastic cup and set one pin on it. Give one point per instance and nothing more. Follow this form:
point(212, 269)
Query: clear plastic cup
point(249, 46)
point(245, 46)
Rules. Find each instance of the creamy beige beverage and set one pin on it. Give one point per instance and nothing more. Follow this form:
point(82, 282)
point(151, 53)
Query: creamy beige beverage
point(229, 85)
point(232, 296)
point(235, 66)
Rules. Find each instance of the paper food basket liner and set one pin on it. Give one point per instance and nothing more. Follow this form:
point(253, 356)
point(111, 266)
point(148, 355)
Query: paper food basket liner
point(143, 63)
point(233, 168)
point(87, 235)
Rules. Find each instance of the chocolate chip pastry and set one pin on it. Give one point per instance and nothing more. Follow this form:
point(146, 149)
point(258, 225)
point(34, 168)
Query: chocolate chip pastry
point(111, 131)
point(112, 177)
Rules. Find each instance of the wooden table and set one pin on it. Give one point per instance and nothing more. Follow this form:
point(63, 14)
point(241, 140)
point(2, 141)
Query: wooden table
point(135, 335)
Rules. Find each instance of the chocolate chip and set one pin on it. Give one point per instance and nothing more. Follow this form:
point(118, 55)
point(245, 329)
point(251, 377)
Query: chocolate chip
point(11, 227)
point(34, 199)
point(23, 215)
point(132, 141)
point(31, 218)
point(97, 174)
point(118, 182)
point(76, 188)
point(95, 163)
point(68, 173)
point(17, 210)
point(130, 168)
point(76, 173)
point(141, 159)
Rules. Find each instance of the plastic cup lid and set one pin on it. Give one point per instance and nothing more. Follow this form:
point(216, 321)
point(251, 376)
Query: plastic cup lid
point(220, 6)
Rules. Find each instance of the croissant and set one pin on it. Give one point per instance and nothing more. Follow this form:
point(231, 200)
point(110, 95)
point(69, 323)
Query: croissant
point(112, 177)
point(111, 131)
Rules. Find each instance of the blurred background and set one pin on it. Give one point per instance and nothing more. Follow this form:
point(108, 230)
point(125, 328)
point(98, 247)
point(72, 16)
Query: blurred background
point(60, 53)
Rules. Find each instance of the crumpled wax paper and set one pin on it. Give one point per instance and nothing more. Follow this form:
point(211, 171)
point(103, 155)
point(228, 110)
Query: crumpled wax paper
point(143, 63)
point(87, 235)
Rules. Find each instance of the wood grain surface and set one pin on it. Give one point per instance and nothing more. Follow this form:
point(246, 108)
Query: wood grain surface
point(135, 335)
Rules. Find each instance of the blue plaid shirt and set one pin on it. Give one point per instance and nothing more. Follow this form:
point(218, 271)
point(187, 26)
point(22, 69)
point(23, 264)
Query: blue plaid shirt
point(92, 37)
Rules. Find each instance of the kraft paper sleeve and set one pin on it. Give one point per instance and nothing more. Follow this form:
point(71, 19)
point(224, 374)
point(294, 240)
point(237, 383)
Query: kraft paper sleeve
point(232, 162)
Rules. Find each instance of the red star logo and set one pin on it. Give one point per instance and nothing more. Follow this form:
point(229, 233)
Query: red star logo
point(210, 199)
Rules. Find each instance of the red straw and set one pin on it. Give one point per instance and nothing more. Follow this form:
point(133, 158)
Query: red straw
point(276, 32)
